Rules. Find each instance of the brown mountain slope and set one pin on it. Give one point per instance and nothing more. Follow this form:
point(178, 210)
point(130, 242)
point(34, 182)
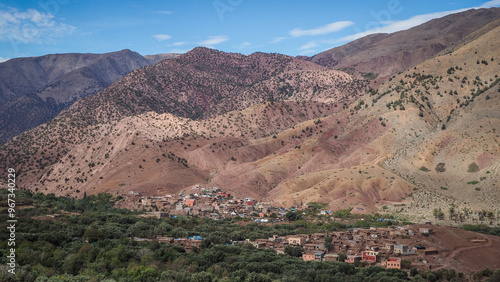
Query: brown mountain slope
point(388, 54)
point(436, 123)
point(206, 82)
point(95, 129)
point(462, 150)
point(34, 90)
point(387, 147)
point(24, 76)
point(154, 59)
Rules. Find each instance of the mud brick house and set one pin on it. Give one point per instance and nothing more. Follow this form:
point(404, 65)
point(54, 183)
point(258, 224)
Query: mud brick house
point(297, 240)
point(259, 243)
point(403, 250)
point(190, 202)
point(331, 257)
point(426, 230)
point(308, 256)
point(315, 246)
point(353, 258)
point(392, 263)
point(318, 256)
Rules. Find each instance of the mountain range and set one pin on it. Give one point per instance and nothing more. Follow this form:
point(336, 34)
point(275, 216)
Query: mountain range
point(38, 88)
point(388, 54)
point(290, 130)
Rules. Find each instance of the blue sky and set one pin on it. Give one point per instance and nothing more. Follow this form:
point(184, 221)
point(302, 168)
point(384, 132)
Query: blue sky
point(39, 27)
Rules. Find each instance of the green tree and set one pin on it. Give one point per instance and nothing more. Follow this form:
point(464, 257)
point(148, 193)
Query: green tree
point(438, 213)
point(293, 216)
point(294, 251)
point(257, 277)
point(92, 235)
point(328, 242)
point(143, 274)
point(342, 257)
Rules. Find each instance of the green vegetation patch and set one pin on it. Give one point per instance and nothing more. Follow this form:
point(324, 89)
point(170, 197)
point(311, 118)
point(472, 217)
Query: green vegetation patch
point(440, 167)
point(423, 168)
point(473, 167)
point(370, 76)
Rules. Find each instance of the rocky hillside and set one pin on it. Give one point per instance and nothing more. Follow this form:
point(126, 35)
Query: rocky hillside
point(205, 83)
point(285, 130)
point(34, 90)
point(202, 97)
point(154, 59)
point(388, 54)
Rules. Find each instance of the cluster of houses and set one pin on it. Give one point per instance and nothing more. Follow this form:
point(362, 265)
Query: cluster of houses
point(209, 202)
point(374, 246)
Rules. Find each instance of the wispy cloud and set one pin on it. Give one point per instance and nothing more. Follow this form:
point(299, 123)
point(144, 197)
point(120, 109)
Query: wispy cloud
point(309, 45)
point(30, 26)
point(162, 37)
point(490, 4)
point(278, 39)
point(243, 45)
point(213, 40)
point(329, 28)
point(177, 44)
point(3, 59)
point(394, 26)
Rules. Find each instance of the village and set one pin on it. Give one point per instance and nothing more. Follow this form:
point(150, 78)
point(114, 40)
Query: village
point(208, 202)
point(399, 247)
point(394, 247)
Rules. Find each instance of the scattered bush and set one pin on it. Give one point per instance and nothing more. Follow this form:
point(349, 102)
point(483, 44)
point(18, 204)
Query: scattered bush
point(423, 168)
point(440, 167)
point(473, 167)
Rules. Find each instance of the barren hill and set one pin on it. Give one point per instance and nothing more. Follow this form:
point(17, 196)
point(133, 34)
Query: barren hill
point(202, 97)
point(281, 129)
point(205, 82)
point(34, 90)
point(388, 54)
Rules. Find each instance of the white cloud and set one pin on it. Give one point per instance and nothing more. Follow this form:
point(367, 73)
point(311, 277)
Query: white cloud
point(490, 4)
point(3, 59)
point(329, 28)
point(213, 40)
point(30, 26)
point(162, 37)
point(309, 45)
point(177, 44)
point(394, 26)
point(278, 39)
point(243, 45)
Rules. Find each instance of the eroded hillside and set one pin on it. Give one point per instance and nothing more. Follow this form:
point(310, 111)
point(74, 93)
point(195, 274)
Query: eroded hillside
point(279, 129)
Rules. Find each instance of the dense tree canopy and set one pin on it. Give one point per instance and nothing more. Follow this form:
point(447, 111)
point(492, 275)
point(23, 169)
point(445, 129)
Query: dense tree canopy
point(93, 243)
